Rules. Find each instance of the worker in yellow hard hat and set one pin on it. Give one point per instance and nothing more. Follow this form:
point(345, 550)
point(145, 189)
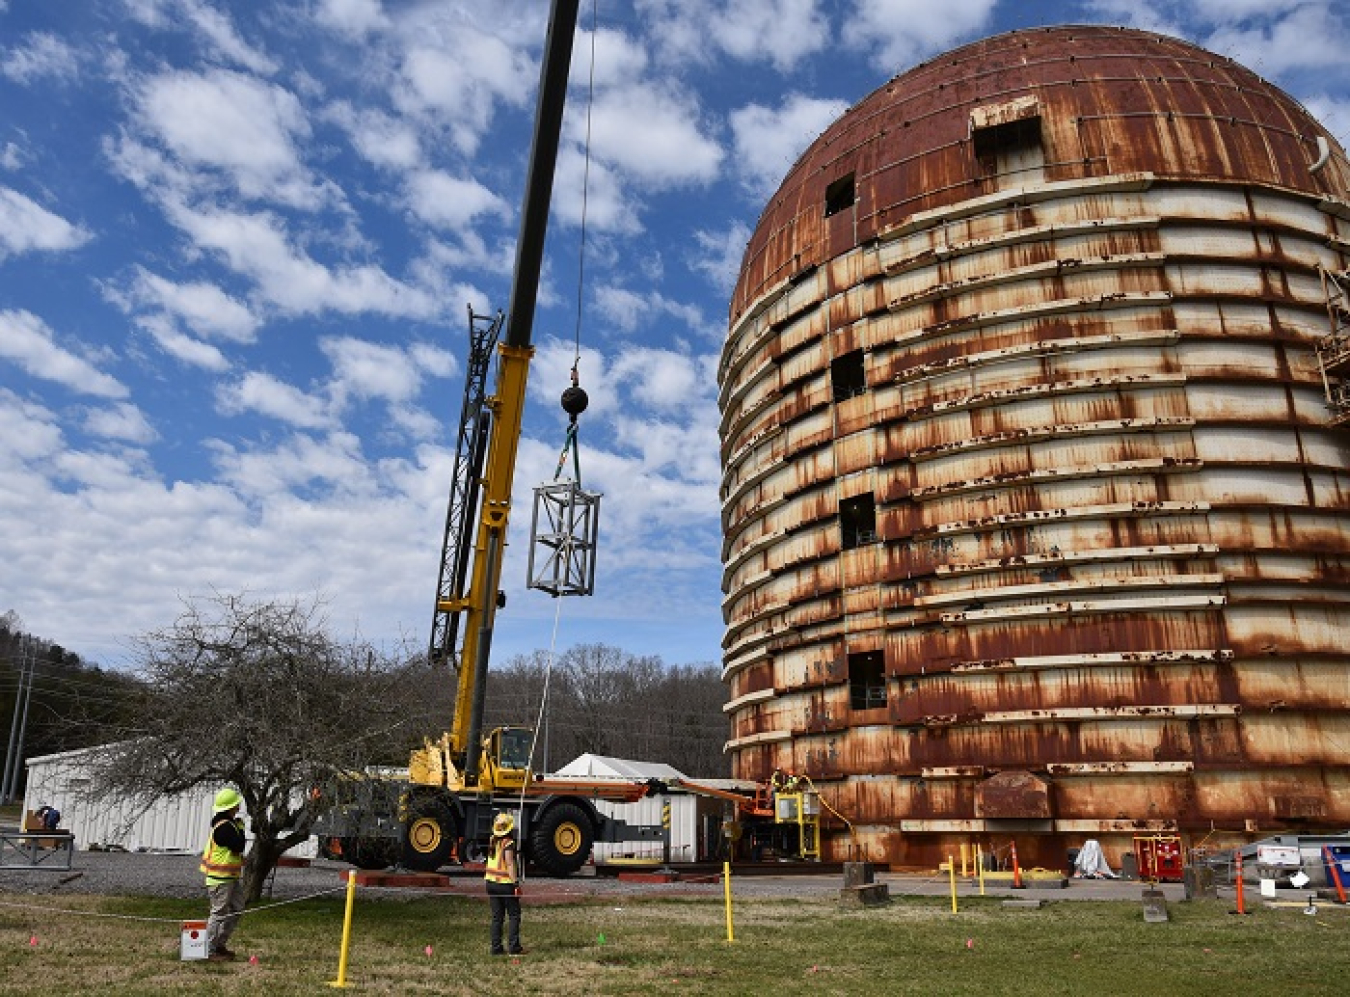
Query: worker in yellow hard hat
point(223, 865)
point(503, 884)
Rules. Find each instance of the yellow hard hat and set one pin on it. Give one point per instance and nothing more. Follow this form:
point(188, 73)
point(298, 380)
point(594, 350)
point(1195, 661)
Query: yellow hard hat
point(228, 797)
point(503, 825)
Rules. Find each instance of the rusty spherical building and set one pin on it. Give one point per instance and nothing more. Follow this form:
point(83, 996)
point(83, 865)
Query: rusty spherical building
point(1036, 498)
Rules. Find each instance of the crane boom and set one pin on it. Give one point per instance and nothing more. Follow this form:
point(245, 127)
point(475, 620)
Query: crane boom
point(503, 411)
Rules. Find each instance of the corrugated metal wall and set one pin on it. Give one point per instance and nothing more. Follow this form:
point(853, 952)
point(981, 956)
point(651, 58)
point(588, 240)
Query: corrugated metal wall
point(1036, 523)
point(176, 823)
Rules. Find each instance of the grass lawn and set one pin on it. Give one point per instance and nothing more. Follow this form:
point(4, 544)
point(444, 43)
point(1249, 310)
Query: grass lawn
point(913, 946)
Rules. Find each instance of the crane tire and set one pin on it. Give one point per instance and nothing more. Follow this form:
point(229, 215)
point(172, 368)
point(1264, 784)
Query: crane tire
point(561, 840)
point(429, 835)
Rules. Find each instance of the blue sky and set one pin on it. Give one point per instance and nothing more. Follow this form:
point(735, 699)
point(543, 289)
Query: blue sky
point(238, 242)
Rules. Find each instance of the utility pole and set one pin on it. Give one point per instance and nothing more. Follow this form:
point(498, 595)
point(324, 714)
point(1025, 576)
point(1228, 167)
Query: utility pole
point(20, 709)
point(23, 721)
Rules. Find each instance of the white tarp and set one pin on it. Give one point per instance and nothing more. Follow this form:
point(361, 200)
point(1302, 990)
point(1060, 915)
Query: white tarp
point(1091, 863)
point(604, 767)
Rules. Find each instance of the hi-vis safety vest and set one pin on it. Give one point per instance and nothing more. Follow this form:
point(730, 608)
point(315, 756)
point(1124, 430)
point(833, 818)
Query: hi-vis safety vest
point(218, 862)
point(499, 869)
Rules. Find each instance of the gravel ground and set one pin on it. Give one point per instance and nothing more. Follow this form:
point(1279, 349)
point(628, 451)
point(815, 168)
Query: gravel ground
point(176, 875)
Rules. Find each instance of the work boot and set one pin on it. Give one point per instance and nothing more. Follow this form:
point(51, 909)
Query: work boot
point(220, 957)
point(227, 953)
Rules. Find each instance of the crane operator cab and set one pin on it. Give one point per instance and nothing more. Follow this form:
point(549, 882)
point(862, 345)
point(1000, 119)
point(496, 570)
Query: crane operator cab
point(506, 758)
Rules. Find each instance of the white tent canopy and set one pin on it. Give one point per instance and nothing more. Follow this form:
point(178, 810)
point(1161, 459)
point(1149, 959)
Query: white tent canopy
point(604, 767)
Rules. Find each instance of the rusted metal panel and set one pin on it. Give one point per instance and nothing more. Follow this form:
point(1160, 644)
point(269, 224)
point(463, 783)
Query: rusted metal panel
point(1014, 794)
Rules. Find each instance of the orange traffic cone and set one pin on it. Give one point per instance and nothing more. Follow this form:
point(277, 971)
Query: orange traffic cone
point(1017, 883)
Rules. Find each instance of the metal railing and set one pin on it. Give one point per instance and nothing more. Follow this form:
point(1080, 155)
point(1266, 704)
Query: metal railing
point(36, 850)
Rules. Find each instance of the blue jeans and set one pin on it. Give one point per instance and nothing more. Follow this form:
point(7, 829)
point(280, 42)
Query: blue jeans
point(505, 906)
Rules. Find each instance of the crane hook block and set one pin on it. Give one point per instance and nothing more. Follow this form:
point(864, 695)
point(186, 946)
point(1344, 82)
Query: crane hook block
point(574, 401)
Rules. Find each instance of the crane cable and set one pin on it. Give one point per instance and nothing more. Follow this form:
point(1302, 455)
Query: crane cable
point(573, 398)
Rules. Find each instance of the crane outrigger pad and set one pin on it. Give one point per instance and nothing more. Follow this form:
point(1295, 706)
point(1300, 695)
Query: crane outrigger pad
point(563, 538)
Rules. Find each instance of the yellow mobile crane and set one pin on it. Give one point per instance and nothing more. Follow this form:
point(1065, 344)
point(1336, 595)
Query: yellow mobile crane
point(457, 782)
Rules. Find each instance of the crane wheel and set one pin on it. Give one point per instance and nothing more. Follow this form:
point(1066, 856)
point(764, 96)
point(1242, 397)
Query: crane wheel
point(561, 840)
point(429, 835)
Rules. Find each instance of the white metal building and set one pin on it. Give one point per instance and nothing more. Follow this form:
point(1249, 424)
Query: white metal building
point(176, 823)
point(695, 821)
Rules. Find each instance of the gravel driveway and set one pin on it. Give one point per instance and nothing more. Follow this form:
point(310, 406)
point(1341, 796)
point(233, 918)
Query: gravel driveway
point(176, 875)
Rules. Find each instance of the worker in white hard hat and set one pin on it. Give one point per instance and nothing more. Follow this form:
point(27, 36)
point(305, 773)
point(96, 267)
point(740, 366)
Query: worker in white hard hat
point(503, 885)
point(223, 865)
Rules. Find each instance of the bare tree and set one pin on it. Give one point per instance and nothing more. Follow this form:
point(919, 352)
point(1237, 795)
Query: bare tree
point(257, 694)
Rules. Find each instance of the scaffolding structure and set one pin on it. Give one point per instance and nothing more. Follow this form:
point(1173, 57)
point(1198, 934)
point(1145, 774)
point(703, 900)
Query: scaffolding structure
point(1333, 349)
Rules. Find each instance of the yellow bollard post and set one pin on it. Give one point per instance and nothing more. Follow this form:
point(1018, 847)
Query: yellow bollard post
point(963, 860)
point(341, 981)
point(726, 888)
point(951, 872)
point(979, 857)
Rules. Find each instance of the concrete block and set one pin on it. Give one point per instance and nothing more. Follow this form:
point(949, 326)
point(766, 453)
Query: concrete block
point(859, 873)
point(1155, 907)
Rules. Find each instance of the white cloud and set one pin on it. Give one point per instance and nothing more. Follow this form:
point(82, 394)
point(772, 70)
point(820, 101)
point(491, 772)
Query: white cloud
point(258, 391)
point(203, 307)
point(720, 255)
point(371, 370)
point(619, 59)
point(180, 346)
point(899, 33)
point(11, 156)
point(450, 202)
point(661, 379)
point(609, 207)
point(651, 135)
point(27, 341)
point(453, 76)
point(123, 421)
point(768, 141)
point(213, 30)
point(382, 139)
point(257, 247)
point(41, 56)
point(1308, 38)
point(298, 463)
point(781, 32)
point(222, 40)
point(26, 226)
point(28, 433)
point(629, 310)
point(235, 126)
point(353, 17)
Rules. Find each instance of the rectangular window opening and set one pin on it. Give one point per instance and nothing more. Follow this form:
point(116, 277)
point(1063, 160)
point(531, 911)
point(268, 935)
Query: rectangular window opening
point(867, 680)
point(858, 521)
point(1008, 137)
point(848, 375)
point(839, 196)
